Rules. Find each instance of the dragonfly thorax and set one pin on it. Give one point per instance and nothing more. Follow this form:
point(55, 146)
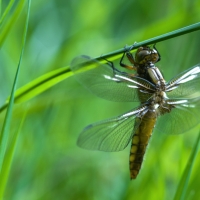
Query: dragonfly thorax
point(156, 77)
point(158, 98)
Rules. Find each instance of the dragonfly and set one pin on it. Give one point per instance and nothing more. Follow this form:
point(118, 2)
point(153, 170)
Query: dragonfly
point(171, 107)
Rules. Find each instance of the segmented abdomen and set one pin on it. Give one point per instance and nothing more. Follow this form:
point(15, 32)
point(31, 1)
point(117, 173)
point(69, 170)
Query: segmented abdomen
point(143, 130)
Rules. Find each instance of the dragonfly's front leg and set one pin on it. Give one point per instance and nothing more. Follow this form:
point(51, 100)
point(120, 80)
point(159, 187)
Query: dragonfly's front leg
point(115, 70)
point(131, 60)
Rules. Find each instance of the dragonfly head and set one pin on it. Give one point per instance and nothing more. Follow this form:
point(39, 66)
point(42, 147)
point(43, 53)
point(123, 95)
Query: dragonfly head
point(145, 55)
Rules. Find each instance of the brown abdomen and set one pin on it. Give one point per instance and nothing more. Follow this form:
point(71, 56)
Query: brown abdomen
point(143, 130)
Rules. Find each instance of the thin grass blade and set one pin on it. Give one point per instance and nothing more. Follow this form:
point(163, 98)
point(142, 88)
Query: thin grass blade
point(8, 159)
point(50, 79)
point(8, 8)
point(0, 6)
point(183, 184)
point(6, 124)
point(39, 85)
point(154, 40)
point(7, 27)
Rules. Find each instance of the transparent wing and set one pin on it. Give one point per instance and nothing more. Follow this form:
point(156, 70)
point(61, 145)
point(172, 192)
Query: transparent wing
point(186, 84)
point(182, 118)
point(110, 135)
point(107, 82)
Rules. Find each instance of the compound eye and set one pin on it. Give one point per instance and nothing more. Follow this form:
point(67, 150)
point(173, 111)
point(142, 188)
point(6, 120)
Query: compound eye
point(155, 58)
point(140, 56)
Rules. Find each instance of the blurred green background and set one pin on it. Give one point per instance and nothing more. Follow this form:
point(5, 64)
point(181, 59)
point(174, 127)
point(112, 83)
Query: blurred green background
point(47, 163)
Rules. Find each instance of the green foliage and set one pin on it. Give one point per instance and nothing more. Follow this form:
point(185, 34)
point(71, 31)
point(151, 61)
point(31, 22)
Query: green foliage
point(47, 163)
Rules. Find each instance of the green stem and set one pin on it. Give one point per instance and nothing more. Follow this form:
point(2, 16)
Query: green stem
point(166, 36)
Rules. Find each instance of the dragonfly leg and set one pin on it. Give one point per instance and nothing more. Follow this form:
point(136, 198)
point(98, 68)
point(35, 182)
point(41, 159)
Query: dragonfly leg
point(131, 60)
point(166, 108)
point(159, 56)
point(115, 70)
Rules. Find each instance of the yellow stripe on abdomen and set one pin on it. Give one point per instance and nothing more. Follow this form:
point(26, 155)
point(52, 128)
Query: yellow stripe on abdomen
point(140, 141)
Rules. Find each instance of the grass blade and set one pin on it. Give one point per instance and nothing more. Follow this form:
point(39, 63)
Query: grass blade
point(6, 125)
point(39, 85)
point(5, 29)
point(8, 8)
point(183, 184)
point(166, 36)
point(0, 6)
point(50, 79)
point(8, 159)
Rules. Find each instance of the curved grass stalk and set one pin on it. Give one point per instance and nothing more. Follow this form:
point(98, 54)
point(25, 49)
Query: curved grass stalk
point(50, 79)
